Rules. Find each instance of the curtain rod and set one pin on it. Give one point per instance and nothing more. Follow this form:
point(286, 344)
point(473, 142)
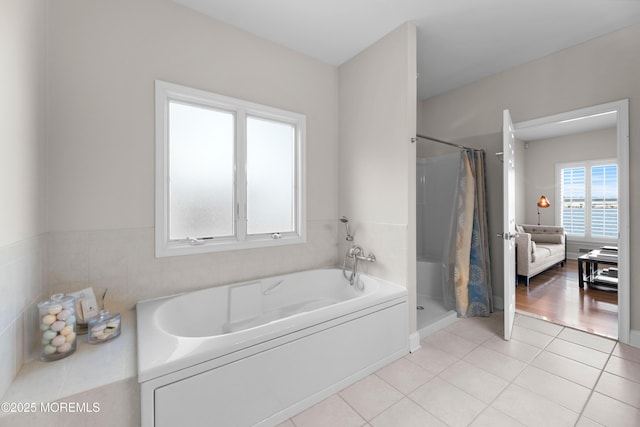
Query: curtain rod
point(462, 147)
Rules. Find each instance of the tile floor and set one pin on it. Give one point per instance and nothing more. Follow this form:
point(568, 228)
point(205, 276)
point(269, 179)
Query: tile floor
point(467, 375)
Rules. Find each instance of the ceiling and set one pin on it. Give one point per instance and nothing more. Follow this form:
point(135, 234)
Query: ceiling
point(571, 126)
point(459, 41)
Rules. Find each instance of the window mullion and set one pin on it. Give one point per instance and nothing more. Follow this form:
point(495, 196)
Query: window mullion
point(241, 175)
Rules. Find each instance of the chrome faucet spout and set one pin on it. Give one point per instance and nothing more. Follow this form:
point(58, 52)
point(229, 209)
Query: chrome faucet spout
point(356, 252)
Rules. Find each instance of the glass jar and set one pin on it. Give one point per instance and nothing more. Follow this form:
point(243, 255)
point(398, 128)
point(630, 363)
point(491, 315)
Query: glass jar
point(105, 327)
point(57, 327)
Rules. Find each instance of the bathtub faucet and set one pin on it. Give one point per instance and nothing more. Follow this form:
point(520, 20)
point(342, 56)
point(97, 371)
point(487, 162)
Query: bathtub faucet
point(357, 254)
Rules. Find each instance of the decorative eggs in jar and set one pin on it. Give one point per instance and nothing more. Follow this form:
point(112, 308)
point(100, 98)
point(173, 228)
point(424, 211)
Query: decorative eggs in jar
point(57, 327)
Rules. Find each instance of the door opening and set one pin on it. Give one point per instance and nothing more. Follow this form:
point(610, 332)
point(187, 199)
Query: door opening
point(613, 115)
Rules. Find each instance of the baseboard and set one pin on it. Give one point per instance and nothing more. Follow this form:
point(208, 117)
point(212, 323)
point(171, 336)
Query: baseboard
point(634, 338)
point(414, 342)
point(498, 302)
point(448, 319)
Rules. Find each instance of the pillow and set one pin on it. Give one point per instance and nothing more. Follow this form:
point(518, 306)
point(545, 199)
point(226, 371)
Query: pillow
point(533, 251)
point(548, 238)
point(519, 229)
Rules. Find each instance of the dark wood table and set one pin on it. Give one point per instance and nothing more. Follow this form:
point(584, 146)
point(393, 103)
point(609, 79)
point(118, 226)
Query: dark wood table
point(588, 268)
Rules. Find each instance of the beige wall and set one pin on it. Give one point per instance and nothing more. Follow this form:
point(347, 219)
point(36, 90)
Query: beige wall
point(22, 119)
point(377, 159)
point(541, 158)
point(22, 178)
point(103, 59)
point(601, 70)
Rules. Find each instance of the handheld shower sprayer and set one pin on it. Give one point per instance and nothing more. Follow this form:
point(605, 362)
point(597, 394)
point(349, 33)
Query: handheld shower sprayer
point(345, 221)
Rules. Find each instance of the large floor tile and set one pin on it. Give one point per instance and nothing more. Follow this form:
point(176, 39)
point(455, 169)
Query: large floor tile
point(404, 375)
point(513, 348)
point(450, 343)
point(432, 359)
point(406, 413)
point(538, 325)
point(474, 329)
point(491, 417)
point(585, 339)
point(586, 422)
point(569, 369)
point(533, 410)
point(370, 396)
point(627, 352)
point(624, 368)
point(611, 412)
point(554, 388)
point(467, 375)
point(332, 411)
point(496, 363)
point(531, 337)
point(516, 349)
point(579, 353)
point(477, 382)
point(448, 403)
point(620, 388)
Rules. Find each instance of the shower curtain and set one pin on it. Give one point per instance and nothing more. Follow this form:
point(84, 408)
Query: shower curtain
point(467, 284)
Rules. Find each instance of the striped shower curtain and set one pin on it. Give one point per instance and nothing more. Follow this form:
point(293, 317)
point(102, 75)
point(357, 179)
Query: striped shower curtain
point(468, 275)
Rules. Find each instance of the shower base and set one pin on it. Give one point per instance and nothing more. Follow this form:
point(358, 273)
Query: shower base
point(434, 316)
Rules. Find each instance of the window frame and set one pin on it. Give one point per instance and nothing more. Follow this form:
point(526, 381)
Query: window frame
point(587, 165)
point(166, 92)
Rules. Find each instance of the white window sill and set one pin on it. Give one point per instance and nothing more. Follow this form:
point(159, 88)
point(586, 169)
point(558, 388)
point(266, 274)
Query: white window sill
point(183, 248)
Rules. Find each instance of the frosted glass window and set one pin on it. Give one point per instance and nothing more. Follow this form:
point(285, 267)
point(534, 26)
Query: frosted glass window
point(270, 176)
point(229, 173)
point(201, 172)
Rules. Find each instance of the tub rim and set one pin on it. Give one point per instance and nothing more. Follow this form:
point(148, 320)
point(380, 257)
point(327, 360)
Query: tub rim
point(160, 353)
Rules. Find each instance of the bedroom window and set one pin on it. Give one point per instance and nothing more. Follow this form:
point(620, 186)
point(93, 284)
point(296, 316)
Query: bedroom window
point(588, 192)
point(229, 173)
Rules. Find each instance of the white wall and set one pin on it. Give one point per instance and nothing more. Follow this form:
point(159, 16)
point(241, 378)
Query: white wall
point(103, 59)
point(601, 70)
point(22, 174)
point(377, 160)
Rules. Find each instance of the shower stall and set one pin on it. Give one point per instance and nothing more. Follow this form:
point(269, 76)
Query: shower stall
point(436, 188)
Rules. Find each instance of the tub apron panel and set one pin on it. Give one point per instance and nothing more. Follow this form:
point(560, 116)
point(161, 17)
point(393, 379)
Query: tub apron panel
point(269, 385)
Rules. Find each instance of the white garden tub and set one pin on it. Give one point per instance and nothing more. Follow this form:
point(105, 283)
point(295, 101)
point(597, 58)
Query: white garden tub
point(256, 353)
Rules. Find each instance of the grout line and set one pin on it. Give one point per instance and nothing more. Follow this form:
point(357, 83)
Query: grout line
point(593, 389)
point(366, 421)
point(509, 382)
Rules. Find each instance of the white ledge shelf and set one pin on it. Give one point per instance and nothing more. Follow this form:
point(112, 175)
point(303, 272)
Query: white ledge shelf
point(90, 367)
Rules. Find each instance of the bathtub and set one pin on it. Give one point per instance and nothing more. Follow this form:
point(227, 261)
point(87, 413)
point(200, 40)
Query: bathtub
point(258, 352)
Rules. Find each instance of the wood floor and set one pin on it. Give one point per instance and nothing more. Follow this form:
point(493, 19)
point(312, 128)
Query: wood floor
point(554, 295)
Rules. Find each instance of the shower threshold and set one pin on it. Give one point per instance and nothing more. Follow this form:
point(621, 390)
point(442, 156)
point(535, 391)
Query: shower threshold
point(433, 317)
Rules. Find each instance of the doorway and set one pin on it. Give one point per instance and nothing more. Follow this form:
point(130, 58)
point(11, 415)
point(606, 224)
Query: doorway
point(592, 119)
